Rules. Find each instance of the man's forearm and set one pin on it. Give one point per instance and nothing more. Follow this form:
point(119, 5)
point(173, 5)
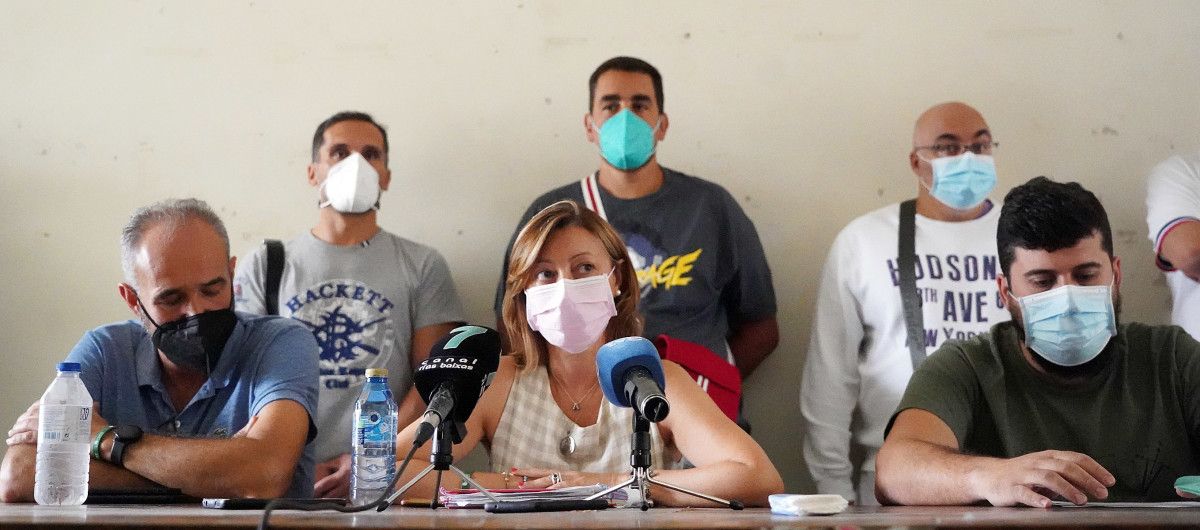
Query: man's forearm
point(751, 343)
point(233, 467)
point(913, 472)
point(17, 475)
point(102, 475)
point(1181, 247)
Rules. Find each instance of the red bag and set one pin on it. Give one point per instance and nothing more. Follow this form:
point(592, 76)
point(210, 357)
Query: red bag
point(715, 376)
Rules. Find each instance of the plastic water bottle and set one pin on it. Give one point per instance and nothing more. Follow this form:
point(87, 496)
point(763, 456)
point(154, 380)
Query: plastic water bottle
point(373, 460)
point(64, 426)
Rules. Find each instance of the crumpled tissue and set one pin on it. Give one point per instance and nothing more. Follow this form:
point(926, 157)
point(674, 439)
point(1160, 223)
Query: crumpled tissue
point(792, 504)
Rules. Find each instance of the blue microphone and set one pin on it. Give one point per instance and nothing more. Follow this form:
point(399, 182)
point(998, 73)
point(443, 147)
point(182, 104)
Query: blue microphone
point(631, 375)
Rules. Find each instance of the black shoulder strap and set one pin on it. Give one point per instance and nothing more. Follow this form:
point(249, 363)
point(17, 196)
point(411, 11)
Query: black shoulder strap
point(906, 258)
point(274, 275)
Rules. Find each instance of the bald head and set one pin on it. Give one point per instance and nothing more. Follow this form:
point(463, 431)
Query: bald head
point(944, 120)
point(171, 213)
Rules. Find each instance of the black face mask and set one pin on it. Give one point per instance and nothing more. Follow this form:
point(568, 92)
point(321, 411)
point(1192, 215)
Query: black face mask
point(194, 342)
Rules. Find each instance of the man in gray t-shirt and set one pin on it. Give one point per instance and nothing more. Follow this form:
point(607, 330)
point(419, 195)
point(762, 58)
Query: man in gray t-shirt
point(703, 274)
point(372, 299)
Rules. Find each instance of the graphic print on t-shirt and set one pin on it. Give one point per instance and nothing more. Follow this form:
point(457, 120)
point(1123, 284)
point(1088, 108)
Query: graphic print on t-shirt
point(961, 289)
point(655, 269)
point(353, 327)
point(1143, 472)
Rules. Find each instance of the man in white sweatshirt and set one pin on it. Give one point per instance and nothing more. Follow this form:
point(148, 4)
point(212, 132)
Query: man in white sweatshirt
point(1173, 216)
point(860, 357)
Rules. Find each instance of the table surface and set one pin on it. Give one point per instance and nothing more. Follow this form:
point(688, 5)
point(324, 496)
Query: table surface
point(127, 516)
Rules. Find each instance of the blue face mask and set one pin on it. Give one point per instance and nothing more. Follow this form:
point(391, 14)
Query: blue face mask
point(963, 182)
point(626, 141)
point(1069, 325)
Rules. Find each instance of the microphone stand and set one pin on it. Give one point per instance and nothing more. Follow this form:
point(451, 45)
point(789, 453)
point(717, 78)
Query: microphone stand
point(441, 458)
point(640, 457)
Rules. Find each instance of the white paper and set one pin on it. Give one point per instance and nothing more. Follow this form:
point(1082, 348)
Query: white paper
point(1172, 504)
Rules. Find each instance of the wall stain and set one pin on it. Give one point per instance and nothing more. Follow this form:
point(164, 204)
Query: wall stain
point(1126, 236)
point(821, 36)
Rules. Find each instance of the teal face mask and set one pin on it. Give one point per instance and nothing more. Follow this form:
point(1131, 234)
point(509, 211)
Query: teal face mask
point(1069, 325)
point(626, 141)
point(963, 182)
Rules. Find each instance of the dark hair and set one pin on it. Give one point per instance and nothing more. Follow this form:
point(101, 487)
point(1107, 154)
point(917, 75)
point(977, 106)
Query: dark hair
point(346, 115)
point(626, 64)
point(1045, 215)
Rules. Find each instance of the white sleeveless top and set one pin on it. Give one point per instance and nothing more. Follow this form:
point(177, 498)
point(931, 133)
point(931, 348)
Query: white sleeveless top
point(532, 426)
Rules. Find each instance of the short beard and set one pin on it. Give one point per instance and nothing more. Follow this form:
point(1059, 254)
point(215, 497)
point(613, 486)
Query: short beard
point(1084, 370)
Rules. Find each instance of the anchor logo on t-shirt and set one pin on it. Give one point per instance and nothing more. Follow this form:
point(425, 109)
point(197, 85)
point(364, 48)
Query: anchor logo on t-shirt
point(353, 327)
point(340, 336)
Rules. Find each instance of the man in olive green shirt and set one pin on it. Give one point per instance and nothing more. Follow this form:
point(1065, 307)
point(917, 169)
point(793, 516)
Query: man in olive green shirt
point(1061, 403)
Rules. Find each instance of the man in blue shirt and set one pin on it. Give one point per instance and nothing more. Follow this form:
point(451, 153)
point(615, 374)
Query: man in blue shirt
point(190, 395)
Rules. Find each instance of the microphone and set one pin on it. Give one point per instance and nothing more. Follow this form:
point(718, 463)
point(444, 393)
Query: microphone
point(631, 375)
point(460, 367)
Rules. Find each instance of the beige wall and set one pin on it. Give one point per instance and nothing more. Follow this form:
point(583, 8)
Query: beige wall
point(802, 110)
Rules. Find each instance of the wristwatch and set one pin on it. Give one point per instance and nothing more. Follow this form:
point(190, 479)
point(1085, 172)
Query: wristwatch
point(126, 435)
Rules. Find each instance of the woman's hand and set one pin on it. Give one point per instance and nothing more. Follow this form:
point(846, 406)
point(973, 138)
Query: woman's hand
point(546, 478)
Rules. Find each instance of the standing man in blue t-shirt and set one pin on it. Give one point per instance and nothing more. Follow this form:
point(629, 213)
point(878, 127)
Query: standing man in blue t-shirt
point(701, 267)
point(189, 394)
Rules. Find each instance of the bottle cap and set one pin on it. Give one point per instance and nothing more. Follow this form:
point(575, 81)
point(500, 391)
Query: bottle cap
point(68, 367)
point(376, 372)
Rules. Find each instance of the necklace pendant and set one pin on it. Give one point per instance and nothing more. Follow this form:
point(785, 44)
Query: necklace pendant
point(566, 446)
point(575, 407)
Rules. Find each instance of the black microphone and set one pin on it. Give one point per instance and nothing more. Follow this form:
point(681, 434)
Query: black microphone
point(631, 375)
point(460, 367)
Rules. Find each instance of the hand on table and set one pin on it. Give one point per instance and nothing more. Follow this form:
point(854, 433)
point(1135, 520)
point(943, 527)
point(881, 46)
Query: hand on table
point(25, 429)
point(333, 477)
point(1030, 479)
point(543, 478)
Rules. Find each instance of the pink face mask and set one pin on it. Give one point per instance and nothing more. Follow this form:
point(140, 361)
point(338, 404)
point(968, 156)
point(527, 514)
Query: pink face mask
point(571, 314)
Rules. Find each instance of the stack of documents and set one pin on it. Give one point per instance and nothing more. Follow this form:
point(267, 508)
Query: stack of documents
point(472, 498)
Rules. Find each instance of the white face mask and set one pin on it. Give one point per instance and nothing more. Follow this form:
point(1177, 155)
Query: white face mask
point(352, 185)
point(571, 314)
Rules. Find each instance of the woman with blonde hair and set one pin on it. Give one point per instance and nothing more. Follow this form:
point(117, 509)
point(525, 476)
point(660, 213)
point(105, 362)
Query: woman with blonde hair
point(571, 288)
